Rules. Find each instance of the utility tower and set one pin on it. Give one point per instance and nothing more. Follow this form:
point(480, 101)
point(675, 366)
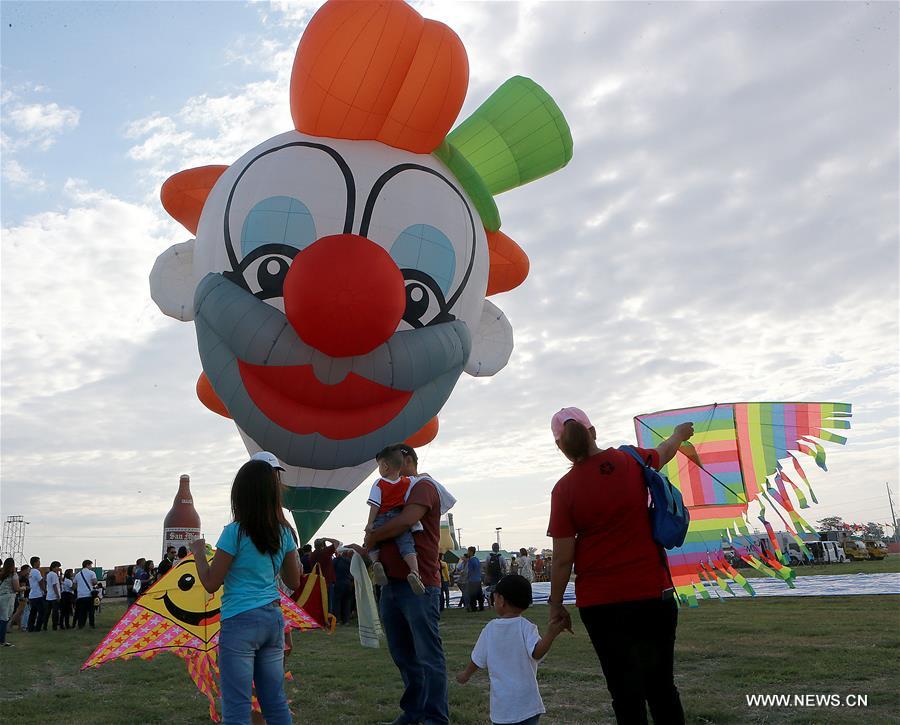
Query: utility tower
point(14, 538)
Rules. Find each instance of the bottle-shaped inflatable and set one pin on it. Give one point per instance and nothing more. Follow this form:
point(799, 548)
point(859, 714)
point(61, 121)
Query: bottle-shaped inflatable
point(182, 524)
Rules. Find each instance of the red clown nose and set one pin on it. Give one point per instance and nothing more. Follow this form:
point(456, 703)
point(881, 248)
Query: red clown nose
point(344, 295)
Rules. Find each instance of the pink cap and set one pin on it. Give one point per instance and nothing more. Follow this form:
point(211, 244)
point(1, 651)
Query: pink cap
point(559, 420)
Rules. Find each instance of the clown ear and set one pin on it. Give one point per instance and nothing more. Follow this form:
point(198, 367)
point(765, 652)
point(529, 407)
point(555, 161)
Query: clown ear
point(492, 342)
point(172, 281)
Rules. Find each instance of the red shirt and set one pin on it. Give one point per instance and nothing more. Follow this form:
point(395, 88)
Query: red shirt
point(424, 494)
point(603, 503)
point(392, 493)
point(323, 557)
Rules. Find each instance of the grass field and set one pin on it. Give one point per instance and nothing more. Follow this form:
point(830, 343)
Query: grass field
point(725, 650)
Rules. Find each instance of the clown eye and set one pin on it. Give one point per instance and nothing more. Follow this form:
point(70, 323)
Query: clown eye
point(425, 248)
point(263, 272)
point(277, 220)
point(186, 582)
point(274, 231)
point(428, 262)
point(425, 303)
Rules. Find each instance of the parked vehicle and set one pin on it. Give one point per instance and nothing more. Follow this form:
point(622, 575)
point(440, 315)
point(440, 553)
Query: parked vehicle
point(826, 552)
point(876, 549)
point(856, 549)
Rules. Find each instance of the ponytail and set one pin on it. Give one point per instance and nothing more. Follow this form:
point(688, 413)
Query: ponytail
point(575, 441)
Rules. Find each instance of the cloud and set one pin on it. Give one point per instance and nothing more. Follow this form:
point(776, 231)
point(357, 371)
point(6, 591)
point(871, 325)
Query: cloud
point(29, 127)
point(75, 291)
point(38, 124)
point(20, 178)
point(217, 129)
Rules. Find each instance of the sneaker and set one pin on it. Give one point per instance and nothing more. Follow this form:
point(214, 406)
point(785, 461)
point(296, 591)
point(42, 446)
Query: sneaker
point(378, 575)
point(8, 644)
point(415, 583)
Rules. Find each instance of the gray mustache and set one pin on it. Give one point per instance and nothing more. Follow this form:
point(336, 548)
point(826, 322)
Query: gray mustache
point(407, 361)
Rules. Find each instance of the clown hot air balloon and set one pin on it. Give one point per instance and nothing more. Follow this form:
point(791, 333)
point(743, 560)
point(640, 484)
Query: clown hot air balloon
point(338, 277)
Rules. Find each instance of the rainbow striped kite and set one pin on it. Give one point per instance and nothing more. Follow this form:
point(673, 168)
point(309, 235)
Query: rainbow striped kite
point(741, 449)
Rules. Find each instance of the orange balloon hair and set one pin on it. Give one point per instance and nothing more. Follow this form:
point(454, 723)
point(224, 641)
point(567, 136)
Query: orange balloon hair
point(184, 194)
point(209, 398)
point(509, 263)
point(368, 70)
point(425, 435)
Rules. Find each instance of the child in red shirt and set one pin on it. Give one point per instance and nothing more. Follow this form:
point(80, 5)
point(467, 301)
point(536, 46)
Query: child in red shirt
point(386, 501)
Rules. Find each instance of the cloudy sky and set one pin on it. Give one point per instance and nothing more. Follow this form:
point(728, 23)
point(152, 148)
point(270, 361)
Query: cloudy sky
point(726, 231)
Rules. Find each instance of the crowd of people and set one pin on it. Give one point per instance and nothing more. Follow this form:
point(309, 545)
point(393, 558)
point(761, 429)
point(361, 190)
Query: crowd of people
point(630, 619)
point(477, 580)
point(34, 598)
point(141, 575)
point(37, 598)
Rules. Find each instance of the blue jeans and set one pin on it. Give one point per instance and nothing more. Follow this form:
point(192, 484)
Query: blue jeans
point(404, 540)
point(411, 627)
point(251, 652)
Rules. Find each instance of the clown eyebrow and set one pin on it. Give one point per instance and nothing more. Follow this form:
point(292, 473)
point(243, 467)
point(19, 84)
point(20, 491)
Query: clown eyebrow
point(369, 208)
point(338, 159)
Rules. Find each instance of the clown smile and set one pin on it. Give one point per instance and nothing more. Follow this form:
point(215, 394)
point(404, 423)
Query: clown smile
point(292, 397)
point(314, 407)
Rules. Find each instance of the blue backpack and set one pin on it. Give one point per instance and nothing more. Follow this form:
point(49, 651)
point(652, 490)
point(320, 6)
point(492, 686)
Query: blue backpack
point(669, 518)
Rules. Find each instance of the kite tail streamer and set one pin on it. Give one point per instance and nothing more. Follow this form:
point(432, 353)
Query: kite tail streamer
point(818, 454)
point(686, 596)
point(712, 574)
point(204, 671)
point(769, 530)
point(812, 494)
point(738, 578)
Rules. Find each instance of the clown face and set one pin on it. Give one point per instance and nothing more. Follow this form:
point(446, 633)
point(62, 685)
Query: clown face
point(337, 284)
point(339, 271)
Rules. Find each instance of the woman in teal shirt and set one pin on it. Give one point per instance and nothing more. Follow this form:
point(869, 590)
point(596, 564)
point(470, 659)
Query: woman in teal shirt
point(252, 550)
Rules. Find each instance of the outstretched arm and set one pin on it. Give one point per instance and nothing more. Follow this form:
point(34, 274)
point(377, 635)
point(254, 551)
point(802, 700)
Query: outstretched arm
point(669, 447)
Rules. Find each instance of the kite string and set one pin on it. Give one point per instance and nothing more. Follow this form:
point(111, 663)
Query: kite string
point(700, 465)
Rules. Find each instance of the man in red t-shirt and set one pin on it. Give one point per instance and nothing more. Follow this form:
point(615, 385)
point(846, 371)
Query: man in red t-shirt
point(600, 523)
point(411, 621)
point(323, 556)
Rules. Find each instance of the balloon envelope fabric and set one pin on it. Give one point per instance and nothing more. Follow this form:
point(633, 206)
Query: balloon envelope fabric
point(742, 448)
point(177, 615)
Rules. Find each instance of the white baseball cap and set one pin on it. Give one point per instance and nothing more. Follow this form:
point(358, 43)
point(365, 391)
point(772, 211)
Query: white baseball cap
point(269, 458)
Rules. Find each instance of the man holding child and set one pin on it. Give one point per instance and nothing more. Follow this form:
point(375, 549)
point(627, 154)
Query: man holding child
point(411, 620)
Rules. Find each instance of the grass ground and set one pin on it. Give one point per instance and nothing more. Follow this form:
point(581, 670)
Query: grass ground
point(725, 650)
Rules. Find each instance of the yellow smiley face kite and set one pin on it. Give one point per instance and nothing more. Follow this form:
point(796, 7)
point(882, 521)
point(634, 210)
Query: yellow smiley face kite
point(180, 597)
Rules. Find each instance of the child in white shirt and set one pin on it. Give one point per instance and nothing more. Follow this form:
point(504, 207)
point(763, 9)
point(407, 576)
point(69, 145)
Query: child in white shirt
point(510, 647)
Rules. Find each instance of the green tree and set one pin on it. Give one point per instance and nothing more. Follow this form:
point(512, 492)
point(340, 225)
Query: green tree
point(876, 530)
point(831, 523)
